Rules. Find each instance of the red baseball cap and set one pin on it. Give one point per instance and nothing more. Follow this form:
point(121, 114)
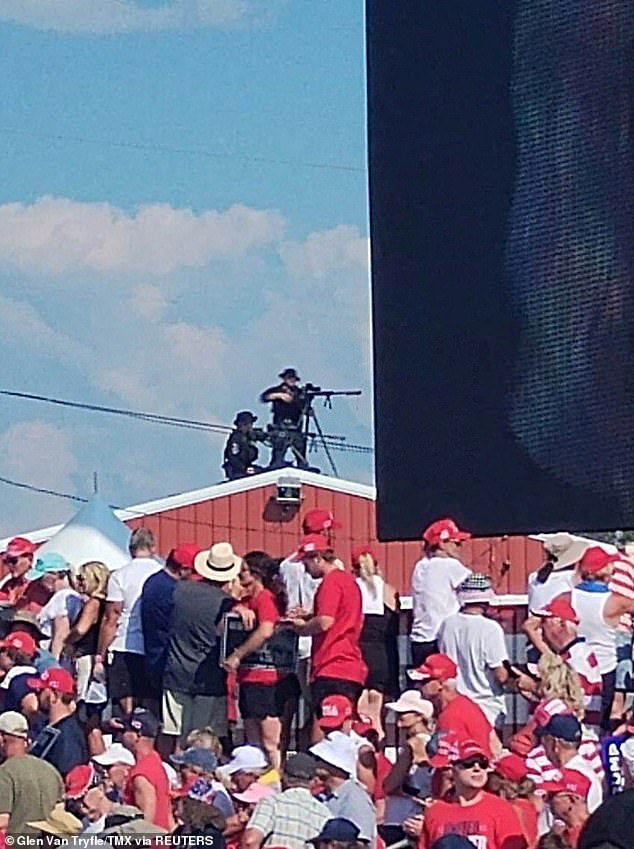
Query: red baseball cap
point(311, 544)
point(444, 530)
point(184, 554)
point(318, 520)
point(359, 550)
point(54, 679)
point(334, 711)
point(571, 781)
point(559, 608)
point(596, 558)
point(20, 640)
point(437, 667)
point(512, 767)
point(468, 749)
point(78, 781)
point(18, 546)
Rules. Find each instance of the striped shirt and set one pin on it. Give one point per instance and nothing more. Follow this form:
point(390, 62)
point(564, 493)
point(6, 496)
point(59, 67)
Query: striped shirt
point(622, 581)
point(580, 657)
point(289, 819)
point(540, 769)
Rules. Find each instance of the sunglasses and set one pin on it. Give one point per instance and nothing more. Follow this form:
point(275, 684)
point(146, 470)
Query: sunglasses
point(11, 561)
point(477, 760)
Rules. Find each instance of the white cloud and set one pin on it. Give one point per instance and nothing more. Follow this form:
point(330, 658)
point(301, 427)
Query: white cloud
point(18, 317)
point(197, 343)
point(39, 453)
point(149, 301)
point(59, 235)
point(340, 249)
point(120, 16)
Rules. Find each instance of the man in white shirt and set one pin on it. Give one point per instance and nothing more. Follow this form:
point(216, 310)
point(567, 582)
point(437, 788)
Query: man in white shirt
point(477, 645)
point(121, 634)
point(435, 580)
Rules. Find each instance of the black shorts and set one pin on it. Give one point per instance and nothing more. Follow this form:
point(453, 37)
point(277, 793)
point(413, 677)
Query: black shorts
point(257, 701)
point(128, 678)
point(322, 687)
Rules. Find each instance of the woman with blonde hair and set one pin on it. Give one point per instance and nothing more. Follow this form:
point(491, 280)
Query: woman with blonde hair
point(91, 580)
point(379, 636)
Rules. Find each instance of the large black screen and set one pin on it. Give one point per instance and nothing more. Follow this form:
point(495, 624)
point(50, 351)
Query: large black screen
point(502, 223)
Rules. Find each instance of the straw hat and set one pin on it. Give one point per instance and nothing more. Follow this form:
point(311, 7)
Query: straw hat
point(59, 821)
point(568, 549)
point(219, 563)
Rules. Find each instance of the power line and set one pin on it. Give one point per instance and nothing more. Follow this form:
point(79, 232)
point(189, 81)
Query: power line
point(160, 148)
point(169, 421)
point(41, 490)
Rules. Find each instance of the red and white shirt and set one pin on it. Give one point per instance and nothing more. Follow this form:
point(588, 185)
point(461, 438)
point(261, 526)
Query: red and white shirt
point(622, 581)
point(540, 769)
point(583, 660)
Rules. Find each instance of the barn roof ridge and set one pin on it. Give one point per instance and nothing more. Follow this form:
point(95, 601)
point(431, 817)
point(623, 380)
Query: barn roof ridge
point(217, 490)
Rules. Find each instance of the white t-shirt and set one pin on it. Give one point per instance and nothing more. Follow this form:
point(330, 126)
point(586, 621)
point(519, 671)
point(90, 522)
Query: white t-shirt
point(300, 589)
point(65, 602)
point(558, 583)
point(434, 584)
point(477, 646)
point(125, 586)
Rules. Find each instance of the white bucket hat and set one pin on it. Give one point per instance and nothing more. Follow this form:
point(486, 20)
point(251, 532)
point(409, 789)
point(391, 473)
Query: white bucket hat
point(411, 701)
point(338, 750)
point(218, 563)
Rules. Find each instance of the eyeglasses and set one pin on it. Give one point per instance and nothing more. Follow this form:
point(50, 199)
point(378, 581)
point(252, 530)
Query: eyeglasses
point(11, 561)
point(477, 760)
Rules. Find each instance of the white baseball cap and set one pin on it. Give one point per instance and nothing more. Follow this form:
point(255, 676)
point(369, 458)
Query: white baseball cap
point(411, 701)
point(116, 753)
point(14, 724)
point(245, 759)
point(337, 750)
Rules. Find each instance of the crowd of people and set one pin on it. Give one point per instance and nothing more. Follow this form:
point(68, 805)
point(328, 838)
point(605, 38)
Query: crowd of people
point(126, 709)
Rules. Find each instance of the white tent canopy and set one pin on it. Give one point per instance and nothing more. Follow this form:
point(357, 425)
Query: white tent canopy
point(95, 533)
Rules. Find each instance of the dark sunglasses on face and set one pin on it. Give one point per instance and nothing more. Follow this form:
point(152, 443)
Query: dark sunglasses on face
point(11, 561)
point(479, 760)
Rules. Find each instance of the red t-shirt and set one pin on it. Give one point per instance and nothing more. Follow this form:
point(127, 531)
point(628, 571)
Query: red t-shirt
point(464, 717)
point(336, 653)
point(266, 609)
point(491, 823)
point(150, 766)
point(34, 597)
point(529, 820)
point(383, 769)
point(13, 589)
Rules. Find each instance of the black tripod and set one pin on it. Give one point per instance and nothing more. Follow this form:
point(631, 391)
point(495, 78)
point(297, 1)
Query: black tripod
point(311, 415)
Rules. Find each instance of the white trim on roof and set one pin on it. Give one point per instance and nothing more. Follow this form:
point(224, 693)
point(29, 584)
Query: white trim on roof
point(219, 490)
point(185, 499)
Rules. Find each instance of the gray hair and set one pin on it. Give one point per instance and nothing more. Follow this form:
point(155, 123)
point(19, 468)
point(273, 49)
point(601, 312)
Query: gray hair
point(141, 538)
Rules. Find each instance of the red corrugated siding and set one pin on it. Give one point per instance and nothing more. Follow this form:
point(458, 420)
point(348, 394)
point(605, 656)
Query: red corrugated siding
point(252, 520)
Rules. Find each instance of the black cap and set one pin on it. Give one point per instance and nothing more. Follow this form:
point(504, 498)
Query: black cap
point(301, 765)
point(245, 417)
point(289, 372)
point(338, 828)
point(563, 727)
point(143, 722)
point(452, 841)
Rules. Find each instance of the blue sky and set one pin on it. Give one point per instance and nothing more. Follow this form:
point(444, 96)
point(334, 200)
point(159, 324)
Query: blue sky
point(136, 272)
